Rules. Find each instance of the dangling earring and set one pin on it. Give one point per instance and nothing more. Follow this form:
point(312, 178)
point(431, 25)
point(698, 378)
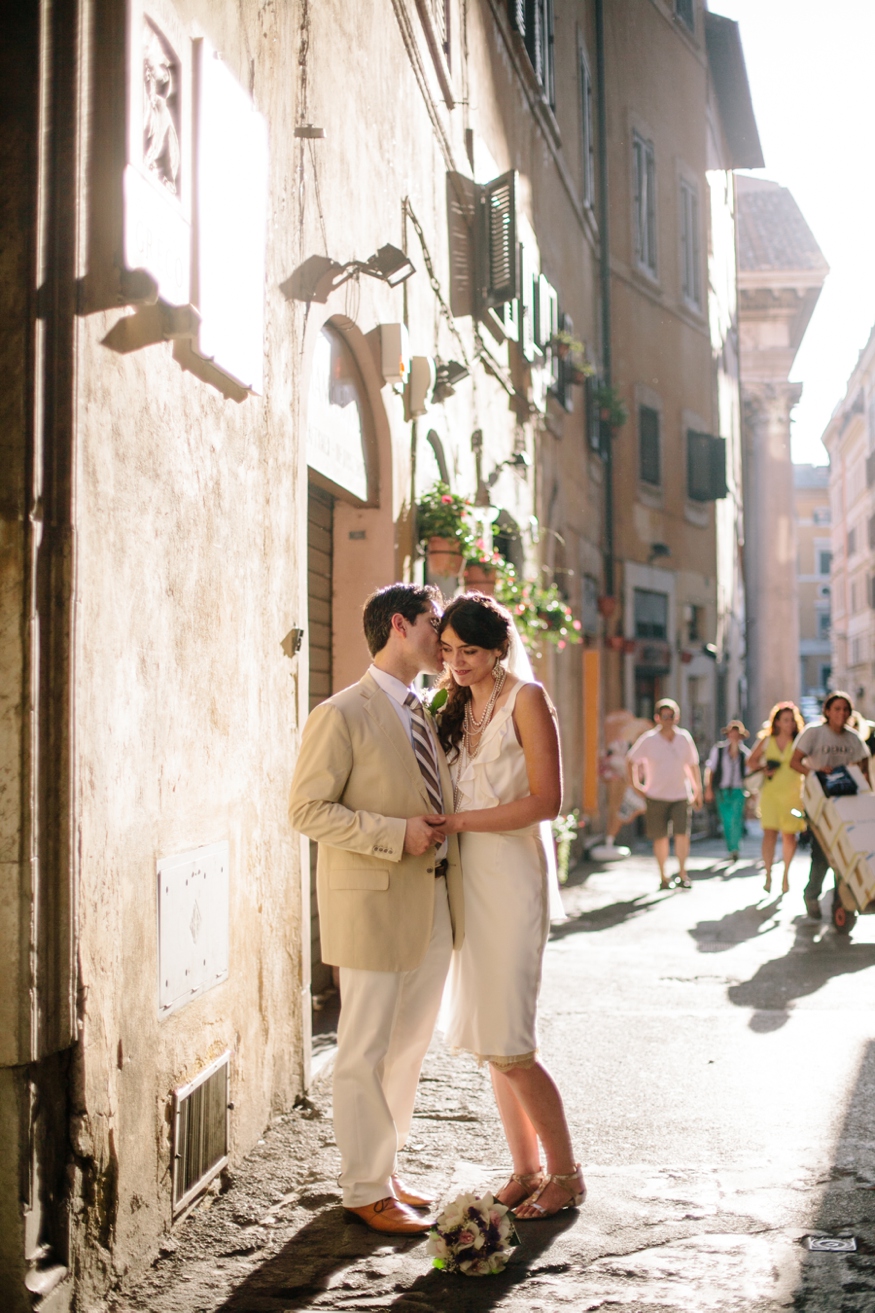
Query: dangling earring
point(496, 669)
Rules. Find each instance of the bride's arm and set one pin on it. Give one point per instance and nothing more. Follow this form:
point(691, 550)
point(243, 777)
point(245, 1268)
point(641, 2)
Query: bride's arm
point(536, 731)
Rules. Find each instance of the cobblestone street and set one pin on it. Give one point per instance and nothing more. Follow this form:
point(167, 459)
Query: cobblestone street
point(717, 1055)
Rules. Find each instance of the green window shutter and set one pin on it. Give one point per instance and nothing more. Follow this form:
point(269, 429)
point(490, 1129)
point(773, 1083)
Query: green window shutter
point(497, 242)
point(706, 467)
point(648, 446)
point(527, 305)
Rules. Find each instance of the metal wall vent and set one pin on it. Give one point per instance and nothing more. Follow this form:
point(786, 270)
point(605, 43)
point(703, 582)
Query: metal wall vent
point(200, 1131)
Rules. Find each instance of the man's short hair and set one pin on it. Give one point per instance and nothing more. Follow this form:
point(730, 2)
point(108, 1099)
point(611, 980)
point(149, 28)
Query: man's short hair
point(409, 600)
point(834, 697)
point(667, 702)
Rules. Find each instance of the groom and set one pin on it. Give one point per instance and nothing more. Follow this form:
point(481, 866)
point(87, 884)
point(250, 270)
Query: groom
point(390, 892)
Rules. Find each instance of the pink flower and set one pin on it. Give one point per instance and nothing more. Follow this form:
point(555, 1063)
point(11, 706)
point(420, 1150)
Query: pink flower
point(576, 624)
point(561, 644)
point(466, 1237)
point(446, 500)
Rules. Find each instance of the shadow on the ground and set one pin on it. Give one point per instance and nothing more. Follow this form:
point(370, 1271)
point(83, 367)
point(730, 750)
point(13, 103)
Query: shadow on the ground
point(805, 969)
point(304, 1268)
point(846, 1282)
point(441, 1291)
point(604, 918)
point(735, 927)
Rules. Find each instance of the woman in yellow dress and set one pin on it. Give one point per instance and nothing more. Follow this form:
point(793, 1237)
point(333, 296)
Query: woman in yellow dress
point(780, 805)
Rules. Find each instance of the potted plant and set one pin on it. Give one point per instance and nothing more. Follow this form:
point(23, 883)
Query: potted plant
point(482, 569)
point(541, 614)
point(441, 525)
point(611, 408)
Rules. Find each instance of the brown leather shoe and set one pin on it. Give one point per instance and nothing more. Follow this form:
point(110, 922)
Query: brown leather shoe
point(407, 1196)
point(390, 1216)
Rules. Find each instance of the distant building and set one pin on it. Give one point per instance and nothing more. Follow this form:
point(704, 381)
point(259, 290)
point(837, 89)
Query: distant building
point(850, 440)
point(814, 544)
point(781, 270)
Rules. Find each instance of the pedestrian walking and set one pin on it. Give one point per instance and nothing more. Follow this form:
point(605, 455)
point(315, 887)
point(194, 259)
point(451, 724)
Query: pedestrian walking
point(369, 771)
point(780, 795)
point(499, 732)
point(663, 767)
point(725, 770)
point(822, 747)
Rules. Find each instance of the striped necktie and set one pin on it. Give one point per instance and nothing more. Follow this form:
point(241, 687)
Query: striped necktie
point(425, 754)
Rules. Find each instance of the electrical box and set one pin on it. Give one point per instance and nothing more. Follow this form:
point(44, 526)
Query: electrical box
point(394, 354)
point(193, 924)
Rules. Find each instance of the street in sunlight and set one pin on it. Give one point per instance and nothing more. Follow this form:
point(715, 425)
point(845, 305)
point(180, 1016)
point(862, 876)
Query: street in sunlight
point(717, 1054)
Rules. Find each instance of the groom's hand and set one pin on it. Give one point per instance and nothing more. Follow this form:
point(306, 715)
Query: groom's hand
point(419, 836)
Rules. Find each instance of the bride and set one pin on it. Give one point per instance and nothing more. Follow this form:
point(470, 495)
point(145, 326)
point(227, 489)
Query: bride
point(500, 737)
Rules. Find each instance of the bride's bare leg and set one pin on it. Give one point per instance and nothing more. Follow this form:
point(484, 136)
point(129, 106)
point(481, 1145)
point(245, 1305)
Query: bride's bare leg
point(541, 1116)
point(520, 1134)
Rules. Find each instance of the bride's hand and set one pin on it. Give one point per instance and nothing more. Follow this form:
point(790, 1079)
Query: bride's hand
point(443, 825)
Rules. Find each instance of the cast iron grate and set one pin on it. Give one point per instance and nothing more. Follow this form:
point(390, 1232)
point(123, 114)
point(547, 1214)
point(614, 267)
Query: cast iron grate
point(200, 1131)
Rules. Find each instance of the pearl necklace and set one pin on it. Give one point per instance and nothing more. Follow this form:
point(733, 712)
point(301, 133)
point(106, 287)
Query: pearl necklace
point(472, 727)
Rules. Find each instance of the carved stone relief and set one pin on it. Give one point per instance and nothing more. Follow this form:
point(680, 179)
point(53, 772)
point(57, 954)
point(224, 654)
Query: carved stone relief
point(161, 126)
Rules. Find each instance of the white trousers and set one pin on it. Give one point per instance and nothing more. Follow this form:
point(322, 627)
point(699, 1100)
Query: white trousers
point(387, 1019)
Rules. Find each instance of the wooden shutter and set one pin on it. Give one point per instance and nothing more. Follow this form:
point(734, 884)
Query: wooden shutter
point(527, 304)
point(461, 223)
point(497, 242)
point(648, 446)
point(870, 469)
point(706, 467)
point(517, 13)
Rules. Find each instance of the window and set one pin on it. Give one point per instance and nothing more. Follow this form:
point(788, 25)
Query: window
point(648, 446)
point(870, 469)
point(823, 625)
point(824, 562)
point(592, 422)
point(690, 260)
point(685, 12)
point(856, 651)
point(821, 515)
point(651, 614)
point(533, 19)
point(696, 624)
point(855, 600)
point(587, 172)
point(706, 467)
point(852, 542)
point(644, 166)
point(435, 17)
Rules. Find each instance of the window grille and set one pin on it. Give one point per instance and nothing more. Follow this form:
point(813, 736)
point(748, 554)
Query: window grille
point(690, 260)
point(644, 164)
point(200, 1131)
point(648, 446)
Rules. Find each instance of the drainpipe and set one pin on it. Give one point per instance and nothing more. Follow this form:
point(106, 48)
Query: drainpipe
point(605, 278)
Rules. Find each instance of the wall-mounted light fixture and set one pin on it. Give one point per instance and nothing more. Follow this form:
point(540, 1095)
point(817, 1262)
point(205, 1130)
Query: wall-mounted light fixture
point(291, 644)
point(319, 276)
point(519, 461)
point(657, 552)
point(447, 377)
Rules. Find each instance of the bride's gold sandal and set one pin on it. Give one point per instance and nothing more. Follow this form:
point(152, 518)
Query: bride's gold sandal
point(571, 1182)
point(529, 1181)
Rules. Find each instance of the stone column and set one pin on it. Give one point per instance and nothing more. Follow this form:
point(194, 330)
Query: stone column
point(770, 547)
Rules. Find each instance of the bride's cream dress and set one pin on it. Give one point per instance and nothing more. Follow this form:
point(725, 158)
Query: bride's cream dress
point(496, 974)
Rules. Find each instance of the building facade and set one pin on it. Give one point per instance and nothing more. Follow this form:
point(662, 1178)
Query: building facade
point(850, 440)
point(254, 321)
point(813, 518)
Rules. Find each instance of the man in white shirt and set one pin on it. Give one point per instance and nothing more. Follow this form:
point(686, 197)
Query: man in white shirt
point(823, 747)
point(669, 761)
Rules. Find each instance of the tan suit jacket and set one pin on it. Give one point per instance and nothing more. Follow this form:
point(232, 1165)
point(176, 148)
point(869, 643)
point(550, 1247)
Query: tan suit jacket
point(357, 781)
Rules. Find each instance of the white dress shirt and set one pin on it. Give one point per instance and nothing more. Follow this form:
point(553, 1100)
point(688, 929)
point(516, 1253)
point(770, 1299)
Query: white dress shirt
point(397, 692)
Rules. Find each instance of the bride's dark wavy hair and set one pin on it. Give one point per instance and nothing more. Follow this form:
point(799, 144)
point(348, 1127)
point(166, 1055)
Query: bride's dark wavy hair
point(479, 621)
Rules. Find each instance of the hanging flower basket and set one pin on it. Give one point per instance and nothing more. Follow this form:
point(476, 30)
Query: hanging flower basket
point(442, 527)
point(541, 614)
point(483, 569)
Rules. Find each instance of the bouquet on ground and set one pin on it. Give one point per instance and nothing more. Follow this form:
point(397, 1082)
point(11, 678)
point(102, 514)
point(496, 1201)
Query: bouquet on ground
point(473, 1236)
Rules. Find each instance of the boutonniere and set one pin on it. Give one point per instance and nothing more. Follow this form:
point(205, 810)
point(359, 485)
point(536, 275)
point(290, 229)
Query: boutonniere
point(434, 704)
